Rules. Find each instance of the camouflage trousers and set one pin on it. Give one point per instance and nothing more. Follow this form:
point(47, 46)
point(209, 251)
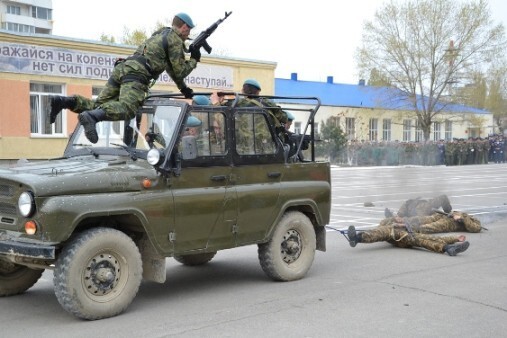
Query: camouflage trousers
point(403, 239)
point(120, 99)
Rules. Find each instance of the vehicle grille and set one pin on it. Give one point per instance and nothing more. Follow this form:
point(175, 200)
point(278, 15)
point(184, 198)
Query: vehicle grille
point(8, 207)
point(6, 190)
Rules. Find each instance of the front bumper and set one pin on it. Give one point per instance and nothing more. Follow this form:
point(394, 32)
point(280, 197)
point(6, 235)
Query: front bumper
point(28, 250)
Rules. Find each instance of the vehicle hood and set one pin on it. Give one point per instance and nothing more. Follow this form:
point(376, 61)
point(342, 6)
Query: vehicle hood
point(79, 175)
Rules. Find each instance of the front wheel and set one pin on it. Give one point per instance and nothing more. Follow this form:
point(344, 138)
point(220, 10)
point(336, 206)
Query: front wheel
point(98, 274)
point(15, 279)
point(290, 252)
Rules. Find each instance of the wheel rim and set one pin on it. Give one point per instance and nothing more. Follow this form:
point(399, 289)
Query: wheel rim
point(292, 246)
point(102, 277)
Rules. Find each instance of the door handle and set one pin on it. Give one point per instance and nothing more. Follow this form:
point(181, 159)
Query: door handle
point(217, 178)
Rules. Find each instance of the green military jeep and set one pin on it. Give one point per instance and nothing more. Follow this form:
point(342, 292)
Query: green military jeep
point(104, 216)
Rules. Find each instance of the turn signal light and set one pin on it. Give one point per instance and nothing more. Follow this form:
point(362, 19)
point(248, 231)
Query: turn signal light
point(30, 228)
point(146, 183)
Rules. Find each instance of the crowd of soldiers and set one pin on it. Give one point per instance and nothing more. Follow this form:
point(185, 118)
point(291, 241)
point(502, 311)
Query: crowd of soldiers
point(492, 149)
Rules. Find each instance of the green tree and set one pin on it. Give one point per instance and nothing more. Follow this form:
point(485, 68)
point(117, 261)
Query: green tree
point(133, 38)
point(107, 38)
point(333, 139)
point(426, 46)
point(378, 79)
point(496, 100)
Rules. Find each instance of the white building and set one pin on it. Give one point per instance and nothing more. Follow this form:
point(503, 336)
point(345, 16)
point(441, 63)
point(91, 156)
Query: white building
point(27, 16)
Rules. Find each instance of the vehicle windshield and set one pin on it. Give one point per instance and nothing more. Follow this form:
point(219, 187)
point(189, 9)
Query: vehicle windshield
point(153, 127)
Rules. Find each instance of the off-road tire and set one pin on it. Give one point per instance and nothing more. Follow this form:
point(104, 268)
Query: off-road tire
point(97, 275)
point(195, 259)
point(290, 252)
point(16, 279)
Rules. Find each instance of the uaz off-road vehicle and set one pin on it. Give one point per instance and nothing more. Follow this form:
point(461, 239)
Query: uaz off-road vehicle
point(104, 216)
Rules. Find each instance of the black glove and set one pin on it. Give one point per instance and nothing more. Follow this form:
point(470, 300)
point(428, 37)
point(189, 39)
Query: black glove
point(188, 92)
point(196, 54)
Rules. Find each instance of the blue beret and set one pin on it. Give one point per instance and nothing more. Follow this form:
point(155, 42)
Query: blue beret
point(201, 100)
point(186, 19)
point(252, 82)
point(290, 117)
point(193, 121)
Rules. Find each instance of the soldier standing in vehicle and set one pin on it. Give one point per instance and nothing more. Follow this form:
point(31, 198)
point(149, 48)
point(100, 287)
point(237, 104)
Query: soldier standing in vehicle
point(130, 80)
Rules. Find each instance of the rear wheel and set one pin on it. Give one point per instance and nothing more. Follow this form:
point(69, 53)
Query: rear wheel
point(98, 274)
point(290, 252)
point(195, 259)
point(16, 279)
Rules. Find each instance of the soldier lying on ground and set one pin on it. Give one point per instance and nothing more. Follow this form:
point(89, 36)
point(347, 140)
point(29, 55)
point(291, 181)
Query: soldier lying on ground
point(455, 221)
point(402, 238)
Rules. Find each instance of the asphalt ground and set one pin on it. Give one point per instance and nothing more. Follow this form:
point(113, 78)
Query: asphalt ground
point(372, 290)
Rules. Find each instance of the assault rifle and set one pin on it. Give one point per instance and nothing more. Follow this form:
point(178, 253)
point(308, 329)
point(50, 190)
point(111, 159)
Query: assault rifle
point(200, 41)
point(296, 138)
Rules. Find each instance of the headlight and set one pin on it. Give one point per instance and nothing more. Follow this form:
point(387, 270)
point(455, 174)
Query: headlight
point(26, 204)
point(154, 157)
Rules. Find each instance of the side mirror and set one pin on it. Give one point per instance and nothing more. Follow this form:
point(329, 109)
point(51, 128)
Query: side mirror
point(188, 147)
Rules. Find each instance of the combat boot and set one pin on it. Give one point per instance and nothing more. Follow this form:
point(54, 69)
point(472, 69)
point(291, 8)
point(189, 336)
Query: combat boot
point(58, 103)
point(456, 248)
point(88, 120)
point(353, 236)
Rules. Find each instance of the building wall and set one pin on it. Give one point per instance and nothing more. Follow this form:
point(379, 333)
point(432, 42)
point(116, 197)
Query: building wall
point(464, 125)
point(46, 59)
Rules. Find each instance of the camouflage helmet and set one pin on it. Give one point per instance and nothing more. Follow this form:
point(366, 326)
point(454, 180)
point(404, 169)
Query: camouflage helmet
point(193, 121)
point(186, 19)
point(253, 83)
point(201, 100)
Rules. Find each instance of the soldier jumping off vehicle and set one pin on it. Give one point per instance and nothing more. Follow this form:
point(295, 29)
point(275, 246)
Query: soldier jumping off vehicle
point(130, 80)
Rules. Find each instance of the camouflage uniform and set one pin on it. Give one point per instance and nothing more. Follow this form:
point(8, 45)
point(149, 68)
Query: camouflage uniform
point(442, 223)
point(262, 143)
point(403, 239)
point(128, 85)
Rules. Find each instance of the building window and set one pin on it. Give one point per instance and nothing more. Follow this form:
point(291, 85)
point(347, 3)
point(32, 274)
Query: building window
point(16, 27)
point(107, 128)
point(40, 94)
point(350, 128)
point(437, 131)
point(42, 13)
point(373, 125)
point(16, 10)
point(448, 130)
point(418, 131)
point(407, 130)
point(335, 120)
point(297, 128)
point(386, 130)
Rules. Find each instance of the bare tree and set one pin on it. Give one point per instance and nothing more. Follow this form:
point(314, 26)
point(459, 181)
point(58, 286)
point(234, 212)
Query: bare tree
point(424, 47)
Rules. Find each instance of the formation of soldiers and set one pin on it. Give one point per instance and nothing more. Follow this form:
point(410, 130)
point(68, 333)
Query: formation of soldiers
point(455, 152)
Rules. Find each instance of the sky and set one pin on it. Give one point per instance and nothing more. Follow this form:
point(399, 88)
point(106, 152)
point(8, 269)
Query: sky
point(314, 39)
